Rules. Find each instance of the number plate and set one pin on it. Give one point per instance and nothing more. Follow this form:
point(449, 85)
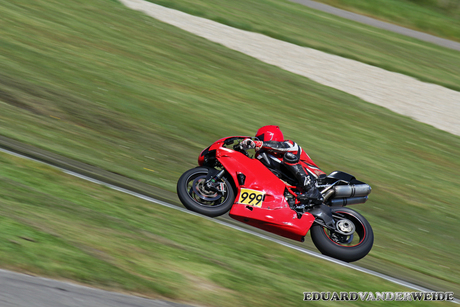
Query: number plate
point(251, 197)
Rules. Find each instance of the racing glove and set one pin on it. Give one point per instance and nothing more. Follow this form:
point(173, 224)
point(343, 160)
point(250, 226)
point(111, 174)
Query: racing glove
point(250, 144)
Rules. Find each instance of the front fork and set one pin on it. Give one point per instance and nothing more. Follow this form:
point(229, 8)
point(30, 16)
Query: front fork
point(213, 178)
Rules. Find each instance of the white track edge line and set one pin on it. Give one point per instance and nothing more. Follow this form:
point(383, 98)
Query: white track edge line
point(291, 246)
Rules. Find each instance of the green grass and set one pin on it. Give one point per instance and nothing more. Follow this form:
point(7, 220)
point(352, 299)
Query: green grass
point(437, 17)
point(59, 226)
point(111, 87)
point(298, 24)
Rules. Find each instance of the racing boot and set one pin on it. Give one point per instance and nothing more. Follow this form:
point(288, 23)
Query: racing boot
point(313, 196)
point(309, 192)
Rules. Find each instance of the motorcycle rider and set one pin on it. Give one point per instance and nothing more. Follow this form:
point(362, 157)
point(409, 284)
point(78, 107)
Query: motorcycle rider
point(277, 153)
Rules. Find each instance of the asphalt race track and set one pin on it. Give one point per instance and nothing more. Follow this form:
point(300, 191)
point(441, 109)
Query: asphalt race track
point(379, 24)
point(29, 291)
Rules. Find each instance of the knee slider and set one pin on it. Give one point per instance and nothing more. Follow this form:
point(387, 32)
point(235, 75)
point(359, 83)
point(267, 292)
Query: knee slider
point(290, 158)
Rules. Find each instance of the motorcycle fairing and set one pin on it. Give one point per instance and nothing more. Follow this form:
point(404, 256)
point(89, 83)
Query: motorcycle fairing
point(281, 221)
point(258, 177)
point(274, 214)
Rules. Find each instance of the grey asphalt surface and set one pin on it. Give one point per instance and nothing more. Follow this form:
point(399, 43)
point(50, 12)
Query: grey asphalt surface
point(20, 290)
point(380, 24)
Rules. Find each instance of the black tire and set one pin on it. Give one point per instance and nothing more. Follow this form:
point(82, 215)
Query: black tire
point(196, 197)
point(342, 247)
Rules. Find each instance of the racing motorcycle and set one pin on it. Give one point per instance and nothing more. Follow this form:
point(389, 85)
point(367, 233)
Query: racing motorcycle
point(229, 180)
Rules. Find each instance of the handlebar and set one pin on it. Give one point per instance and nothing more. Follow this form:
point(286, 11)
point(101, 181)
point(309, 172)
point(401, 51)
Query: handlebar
point(231, 140)
point(237, 147)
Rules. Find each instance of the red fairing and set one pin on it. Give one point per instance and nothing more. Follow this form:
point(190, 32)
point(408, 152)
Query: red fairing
point(258, 177)
point(308, 163)
point(282, 221)
point(274, 213)
point(202, 155)
point(215, 146)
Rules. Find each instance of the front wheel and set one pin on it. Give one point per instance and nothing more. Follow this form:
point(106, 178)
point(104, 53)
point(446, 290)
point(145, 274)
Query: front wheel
point(353, 239)
point(196, 196)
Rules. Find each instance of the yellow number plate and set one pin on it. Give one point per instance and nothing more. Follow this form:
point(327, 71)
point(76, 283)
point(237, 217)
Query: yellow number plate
point(251, 197)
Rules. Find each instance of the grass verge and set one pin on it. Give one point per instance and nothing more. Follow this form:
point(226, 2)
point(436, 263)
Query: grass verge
point(116, 89)
point(300, 25)
point(59, 226)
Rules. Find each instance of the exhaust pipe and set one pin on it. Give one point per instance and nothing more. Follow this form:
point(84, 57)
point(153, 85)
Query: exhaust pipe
point(352, 190)
point(342, 202)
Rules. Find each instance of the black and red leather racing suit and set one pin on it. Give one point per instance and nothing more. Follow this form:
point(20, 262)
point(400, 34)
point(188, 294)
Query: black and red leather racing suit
point(288, 155)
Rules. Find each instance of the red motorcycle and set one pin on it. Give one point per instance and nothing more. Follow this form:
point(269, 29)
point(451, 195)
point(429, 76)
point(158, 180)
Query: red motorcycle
point(228, 179)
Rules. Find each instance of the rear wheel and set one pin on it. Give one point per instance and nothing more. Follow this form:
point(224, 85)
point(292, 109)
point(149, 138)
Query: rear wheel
point(352, 240)
point(196, 196)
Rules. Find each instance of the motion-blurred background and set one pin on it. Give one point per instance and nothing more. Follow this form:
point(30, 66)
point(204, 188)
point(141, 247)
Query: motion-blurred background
point(99, 83)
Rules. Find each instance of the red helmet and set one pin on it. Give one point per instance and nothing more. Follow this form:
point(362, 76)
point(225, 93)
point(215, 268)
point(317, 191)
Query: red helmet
point(270, 133)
